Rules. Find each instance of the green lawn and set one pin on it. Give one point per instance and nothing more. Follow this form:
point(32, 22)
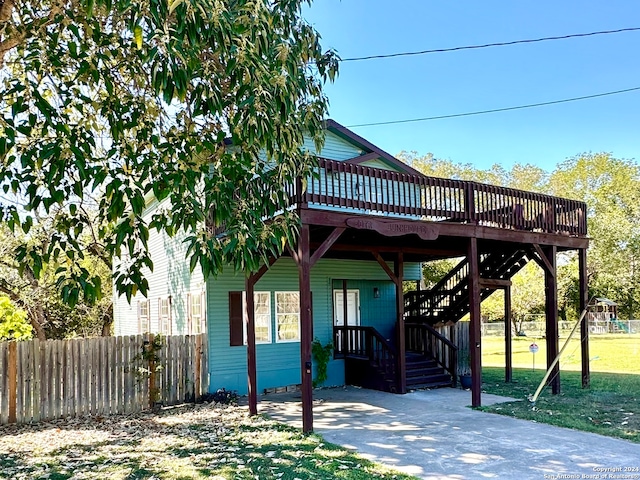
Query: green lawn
point(610, 407)
point(608, 353)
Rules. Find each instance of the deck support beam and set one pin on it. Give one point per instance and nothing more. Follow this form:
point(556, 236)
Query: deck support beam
point(475, 353)
point(250, 313)
point(508, 351)
point(306, 327)
point(345, 319)
point(584, 327)
point(551, 310)
point(400, 331)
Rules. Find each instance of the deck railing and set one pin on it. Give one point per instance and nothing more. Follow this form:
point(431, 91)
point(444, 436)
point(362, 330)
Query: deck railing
point(367, 190)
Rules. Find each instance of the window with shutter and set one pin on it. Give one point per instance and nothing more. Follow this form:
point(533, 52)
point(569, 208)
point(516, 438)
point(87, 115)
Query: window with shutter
point(236, 319)
point(164, 316)
point(144, 320)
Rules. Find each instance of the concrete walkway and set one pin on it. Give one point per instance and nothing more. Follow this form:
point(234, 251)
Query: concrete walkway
point(434, 435)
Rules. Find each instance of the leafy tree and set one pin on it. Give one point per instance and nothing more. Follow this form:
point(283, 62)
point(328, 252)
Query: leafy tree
point(125, 100)
point(611, 189)
point(40, 296)
point(13, 321)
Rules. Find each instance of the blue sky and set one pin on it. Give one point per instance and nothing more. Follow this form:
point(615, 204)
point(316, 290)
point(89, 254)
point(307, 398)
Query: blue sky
point(472, 80)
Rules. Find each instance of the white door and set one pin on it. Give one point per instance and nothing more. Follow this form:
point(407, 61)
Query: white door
point(353, 318)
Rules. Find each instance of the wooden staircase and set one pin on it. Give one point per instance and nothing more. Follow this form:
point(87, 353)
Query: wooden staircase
point(448, 300)
point(372, 362)
point(424, 372)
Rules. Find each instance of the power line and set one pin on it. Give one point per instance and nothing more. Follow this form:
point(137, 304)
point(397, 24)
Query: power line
point(487, 45)
point(505, 109)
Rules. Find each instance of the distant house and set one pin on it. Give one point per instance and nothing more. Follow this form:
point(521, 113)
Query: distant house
point(368, 222)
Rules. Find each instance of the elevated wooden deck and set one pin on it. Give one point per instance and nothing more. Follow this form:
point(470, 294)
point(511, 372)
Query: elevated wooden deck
point(349, 210)
point(355, 189)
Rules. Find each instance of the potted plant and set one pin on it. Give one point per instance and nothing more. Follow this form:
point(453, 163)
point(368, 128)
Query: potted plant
point(464, 368)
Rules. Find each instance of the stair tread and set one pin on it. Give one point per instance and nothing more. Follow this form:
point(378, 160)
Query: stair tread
point(431, 385)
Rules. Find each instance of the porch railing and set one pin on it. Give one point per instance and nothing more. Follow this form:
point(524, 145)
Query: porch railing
point(427, 341)
point(374, 191)
point(365, 343)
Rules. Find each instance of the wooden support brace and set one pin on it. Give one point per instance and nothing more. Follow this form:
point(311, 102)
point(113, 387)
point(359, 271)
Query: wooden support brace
point(264, 269)
point(542, 260)
point(326, 245)
point(385, 267)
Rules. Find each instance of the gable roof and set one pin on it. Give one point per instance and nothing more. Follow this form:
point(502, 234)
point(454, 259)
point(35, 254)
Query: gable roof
point(372, 151)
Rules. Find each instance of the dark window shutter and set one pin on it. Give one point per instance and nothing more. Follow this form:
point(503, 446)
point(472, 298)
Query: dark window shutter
point(236, 320)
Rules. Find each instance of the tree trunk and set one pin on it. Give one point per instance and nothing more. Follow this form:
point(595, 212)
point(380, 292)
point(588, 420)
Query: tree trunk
point(107, 321)
point(36, 317)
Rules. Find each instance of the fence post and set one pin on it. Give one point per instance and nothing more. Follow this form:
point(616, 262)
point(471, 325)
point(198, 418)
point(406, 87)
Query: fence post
point(152, 371)
point(197, 369)
point(12, 372)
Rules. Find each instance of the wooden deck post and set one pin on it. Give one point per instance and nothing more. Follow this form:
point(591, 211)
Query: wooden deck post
point(474, 326)
point(304, 273)
point(508, 351)
point(584, 327)
point(345, 315)
point(551, 310)
point(251, 345)
point(400, 333)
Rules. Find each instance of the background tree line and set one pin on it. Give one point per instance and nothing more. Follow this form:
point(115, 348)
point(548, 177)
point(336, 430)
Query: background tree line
point(611, 188)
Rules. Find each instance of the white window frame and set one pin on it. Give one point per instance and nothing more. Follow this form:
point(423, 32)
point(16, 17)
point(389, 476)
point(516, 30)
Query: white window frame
point(264, 316)
point(196, 324)
point(294, 313)
point(144, 320)
point(165, 319)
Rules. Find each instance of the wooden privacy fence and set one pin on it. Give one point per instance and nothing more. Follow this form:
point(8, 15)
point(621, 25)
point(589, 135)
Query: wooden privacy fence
point(99, 376)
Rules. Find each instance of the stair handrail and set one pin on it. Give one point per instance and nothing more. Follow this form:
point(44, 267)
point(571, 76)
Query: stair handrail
point(443, 280)
point(372, 345)
point(448, 362)
point(415, 300)
point(368, 331)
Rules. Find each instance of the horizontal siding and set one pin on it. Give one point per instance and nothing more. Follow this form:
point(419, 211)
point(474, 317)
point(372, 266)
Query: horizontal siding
point(170, 277)
point(334, 148)
point(279, 363)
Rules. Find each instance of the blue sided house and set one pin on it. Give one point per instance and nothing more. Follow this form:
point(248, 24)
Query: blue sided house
point(368, 223)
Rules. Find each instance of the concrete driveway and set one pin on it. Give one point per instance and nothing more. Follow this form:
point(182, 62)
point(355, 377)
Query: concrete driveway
point(434, 435)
